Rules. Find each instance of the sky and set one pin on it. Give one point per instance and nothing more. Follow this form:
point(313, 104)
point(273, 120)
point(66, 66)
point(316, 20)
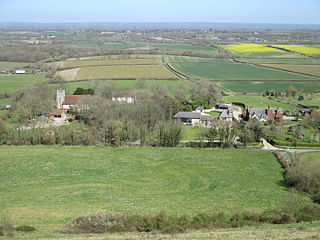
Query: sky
point(225, 11)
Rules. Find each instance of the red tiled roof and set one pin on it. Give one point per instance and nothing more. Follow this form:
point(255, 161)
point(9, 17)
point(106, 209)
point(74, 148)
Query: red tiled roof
point(73, 99)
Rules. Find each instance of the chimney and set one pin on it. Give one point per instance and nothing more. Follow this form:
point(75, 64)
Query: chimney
point(60, 98)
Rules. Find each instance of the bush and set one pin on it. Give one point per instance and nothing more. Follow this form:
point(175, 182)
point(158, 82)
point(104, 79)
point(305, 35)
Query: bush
point(305, 176)
point(25, 228)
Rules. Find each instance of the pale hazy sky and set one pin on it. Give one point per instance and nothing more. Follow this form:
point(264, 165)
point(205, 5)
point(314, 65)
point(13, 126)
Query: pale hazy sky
point(243, 11)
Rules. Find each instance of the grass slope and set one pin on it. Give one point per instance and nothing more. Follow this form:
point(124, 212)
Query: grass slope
point(49, 186)
point(171, 85)
point(11, 83)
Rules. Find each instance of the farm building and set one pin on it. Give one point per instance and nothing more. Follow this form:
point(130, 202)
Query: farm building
point(226, 116)
point(123, 98)
point(188, 118)
point(68, 101)
point(208, 120)
point(57, 114)
point(265, 114)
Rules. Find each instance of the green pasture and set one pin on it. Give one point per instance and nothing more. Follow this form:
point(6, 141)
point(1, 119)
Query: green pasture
point(258, 102)
point(262, 87)
point(14, 82)
point(47, 187)
point(235, 71)
point(184, 47)
point(183, 59)
point(13, 65)
point(171, 86)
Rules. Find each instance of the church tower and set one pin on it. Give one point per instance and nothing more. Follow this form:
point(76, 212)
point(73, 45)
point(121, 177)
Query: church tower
point(60, 98)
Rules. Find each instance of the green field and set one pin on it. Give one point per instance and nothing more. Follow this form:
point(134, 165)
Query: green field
point(170, 85)
point(184, 47)
point(14, 82)
point(183, 59)
point(47, 187)
point(235, 71)
point(258, 102)
point(81, 63)
point(13, 65)
point(300, 60)
point(262, 87)
point(134, 71)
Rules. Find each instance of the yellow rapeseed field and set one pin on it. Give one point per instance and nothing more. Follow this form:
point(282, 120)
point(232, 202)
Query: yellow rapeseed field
point(250, 48)
point(301, 49)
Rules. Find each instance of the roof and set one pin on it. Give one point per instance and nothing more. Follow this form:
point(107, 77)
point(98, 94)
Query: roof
point(57, 112)
point(194, 115)
point(122, 95)
point(73, 99)
point(208, 118)
point(259, 112)
point(262, 112)
point(225, 114)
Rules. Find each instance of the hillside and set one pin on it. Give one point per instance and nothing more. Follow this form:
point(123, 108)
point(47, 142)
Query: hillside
point(49, 186)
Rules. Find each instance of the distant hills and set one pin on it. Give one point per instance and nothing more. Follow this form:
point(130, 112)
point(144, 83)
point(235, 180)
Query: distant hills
point(161, 25)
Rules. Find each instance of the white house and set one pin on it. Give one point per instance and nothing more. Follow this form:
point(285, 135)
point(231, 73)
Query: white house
point(20, 71)
point(123, 98)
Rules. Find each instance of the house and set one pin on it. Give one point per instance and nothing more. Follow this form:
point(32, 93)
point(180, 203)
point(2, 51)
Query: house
point(68, 101)
point(224, 106)
point(57, 114)
point(305, 112)
point(265, 114)
point(226, 116)
point(188, 118)
point(208, 120)
point(123, 98)
point(20, 71)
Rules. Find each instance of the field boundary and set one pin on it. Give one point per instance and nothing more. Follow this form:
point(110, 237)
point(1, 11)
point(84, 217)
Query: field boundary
point(111, 79)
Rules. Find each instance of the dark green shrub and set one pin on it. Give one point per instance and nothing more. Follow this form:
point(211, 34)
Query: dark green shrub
point(25, 228)
point(308, 213)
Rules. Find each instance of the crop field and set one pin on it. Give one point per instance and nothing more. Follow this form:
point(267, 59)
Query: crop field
point(262, 87)
point(47, 187)
point(171, 86)
point(301, 49)
point(183, 59)
point(304, 69)
point(235, 71)
point(134, 71)
point(14, 82)
point(13, 65)
point(246, 49)
point(82, 63)
point(184, 47)
point(117, 66)
point(301, 60)
point(257, 101)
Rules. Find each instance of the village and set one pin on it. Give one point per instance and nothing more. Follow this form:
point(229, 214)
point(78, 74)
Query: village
point(225, 112)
